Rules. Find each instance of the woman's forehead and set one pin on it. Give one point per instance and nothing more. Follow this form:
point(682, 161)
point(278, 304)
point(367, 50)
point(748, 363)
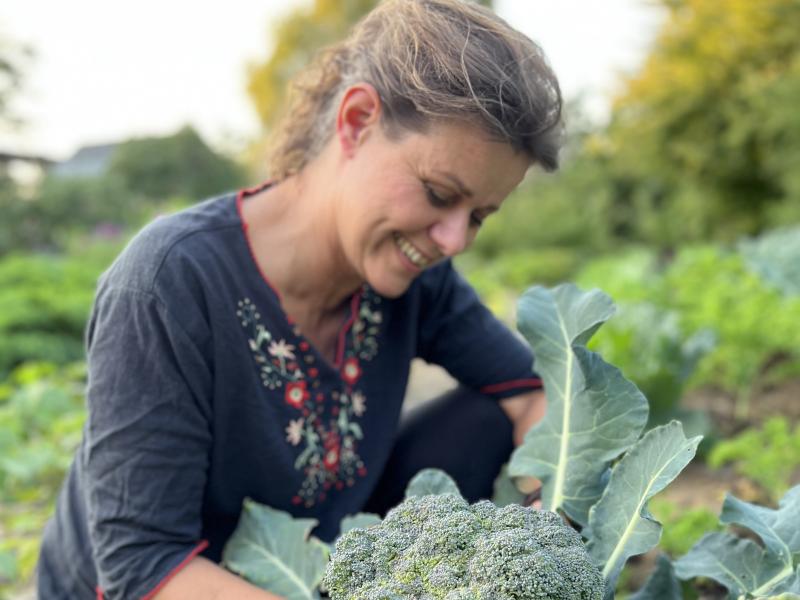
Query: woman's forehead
point(465, 153)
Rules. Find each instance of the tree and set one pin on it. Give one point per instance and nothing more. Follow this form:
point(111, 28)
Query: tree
point(12, 60)
point(178, 165)
point(705, 138)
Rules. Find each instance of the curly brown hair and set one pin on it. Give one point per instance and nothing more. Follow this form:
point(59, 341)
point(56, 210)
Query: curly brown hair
point(429, 60)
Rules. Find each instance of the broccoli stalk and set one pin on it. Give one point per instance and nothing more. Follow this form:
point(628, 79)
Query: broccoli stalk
point(438, 547)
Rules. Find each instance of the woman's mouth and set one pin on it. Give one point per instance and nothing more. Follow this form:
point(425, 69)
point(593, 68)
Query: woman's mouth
point(410, 252)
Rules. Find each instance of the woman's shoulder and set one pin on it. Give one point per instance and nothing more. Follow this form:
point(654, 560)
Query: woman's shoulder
point(165, 246)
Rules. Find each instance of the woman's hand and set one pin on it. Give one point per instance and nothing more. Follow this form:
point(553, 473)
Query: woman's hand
point(525, 411)
point(202, 579)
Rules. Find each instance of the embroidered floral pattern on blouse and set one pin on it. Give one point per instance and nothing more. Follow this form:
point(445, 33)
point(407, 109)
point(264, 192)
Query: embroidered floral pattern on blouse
point(326, 427)
point(367, 325)
point(277, 362)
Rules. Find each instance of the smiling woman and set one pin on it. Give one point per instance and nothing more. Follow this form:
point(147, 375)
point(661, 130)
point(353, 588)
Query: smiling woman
point(258, 345)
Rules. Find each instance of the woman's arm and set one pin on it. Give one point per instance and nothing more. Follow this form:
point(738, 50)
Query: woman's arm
point(202, 579)
point(524, 411)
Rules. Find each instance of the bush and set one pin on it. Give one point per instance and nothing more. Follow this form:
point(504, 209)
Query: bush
point(44, 305)
point(41, 418)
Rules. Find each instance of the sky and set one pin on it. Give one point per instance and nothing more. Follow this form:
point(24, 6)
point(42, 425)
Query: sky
point(106, 71)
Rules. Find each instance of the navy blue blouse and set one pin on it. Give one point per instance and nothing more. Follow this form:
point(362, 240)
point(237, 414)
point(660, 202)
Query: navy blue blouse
point(203, 392)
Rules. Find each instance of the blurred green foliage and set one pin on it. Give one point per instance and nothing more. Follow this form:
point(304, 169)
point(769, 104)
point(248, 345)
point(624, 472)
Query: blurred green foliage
point(768, 456)
point(648, 344)
point(776, 257)
point(44, 305)
point(178, 165)
point(706, 134)
point(41, 419)
point(682, 528)
point(144, 177)
point(710, 287)
point(65, 208)
point(702, 142)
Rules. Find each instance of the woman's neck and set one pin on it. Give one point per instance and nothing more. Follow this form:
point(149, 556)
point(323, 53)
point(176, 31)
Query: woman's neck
point(292, 231)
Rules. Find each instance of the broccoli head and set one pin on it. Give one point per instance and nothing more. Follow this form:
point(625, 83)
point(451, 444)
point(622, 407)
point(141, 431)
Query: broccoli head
point(441, 548)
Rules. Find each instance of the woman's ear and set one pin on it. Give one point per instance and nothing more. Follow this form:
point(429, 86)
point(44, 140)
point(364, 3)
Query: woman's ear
point(359, 111)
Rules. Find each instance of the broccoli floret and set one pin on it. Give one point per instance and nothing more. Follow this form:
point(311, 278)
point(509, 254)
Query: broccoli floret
point(441, 548)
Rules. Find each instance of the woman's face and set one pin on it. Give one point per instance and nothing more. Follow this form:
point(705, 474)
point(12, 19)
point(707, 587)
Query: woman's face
point(408, 204)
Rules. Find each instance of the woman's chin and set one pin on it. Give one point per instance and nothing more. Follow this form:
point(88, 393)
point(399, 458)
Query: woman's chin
point(390, 285)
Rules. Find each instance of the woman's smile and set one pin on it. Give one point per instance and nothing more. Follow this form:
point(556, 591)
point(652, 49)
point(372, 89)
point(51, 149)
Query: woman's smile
point(410, 252)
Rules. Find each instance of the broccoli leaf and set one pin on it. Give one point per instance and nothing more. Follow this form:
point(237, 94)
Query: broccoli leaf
point(274, 551)
point(360, 520)
point(662, 584)
point(740, 565)
point(776, 257)
point(593, 413)
point(431, 481)
point(743, 566)
point(784, 595)
point(620, 525)
point(505, 490)
point(778, 529)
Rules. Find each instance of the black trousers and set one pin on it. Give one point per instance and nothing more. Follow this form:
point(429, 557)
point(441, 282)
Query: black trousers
point(462, 432)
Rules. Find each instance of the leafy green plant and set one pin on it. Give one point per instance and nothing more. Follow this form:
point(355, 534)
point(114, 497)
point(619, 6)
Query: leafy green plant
point(44, 305)
point(711, 288)
point(682, 527)
point(775, 256)
point(41, 418)
point(745, 568)
point(658, 357)
point(769, 456)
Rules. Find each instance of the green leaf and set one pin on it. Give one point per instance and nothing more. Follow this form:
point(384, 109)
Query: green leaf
point(740, 565)
point(662, 584)
point(620, 524)
point(593, 413)
point(359, 521)
point(783, 596)
point(776, 257)
point(778, 529)
point(789, 588)
point(505, 491)
point(275, 552)
point(743, 566)
point(431, 481)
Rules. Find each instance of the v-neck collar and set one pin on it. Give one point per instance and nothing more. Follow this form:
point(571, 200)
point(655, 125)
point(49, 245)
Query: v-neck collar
point(354, 304)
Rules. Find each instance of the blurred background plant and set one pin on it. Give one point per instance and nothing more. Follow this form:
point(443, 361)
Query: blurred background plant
point(41, 418)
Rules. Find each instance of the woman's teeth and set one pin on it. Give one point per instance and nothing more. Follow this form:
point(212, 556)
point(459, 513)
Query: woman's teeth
point(411, 253)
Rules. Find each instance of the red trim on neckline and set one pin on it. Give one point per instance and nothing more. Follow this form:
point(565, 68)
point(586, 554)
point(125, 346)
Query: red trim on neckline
point(533, 383)
point(355, 303)
point(195, 551)
point(239, 199)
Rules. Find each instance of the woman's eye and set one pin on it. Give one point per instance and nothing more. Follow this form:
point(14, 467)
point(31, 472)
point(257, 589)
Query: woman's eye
point(435, 199)
point(476, 220)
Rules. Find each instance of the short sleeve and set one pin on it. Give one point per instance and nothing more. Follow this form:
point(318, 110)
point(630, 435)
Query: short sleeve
point(459, 333)
point(148, 440)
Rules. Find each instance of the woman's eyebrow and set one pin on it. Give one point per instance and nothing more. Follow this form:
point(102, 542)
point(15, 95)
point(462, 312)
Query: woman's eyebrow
point(462, 189)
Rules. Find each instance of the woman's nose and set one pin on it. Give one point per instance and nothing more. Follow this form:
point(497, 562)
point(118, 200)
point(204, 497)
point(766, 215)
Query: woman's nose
point(451, 232)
